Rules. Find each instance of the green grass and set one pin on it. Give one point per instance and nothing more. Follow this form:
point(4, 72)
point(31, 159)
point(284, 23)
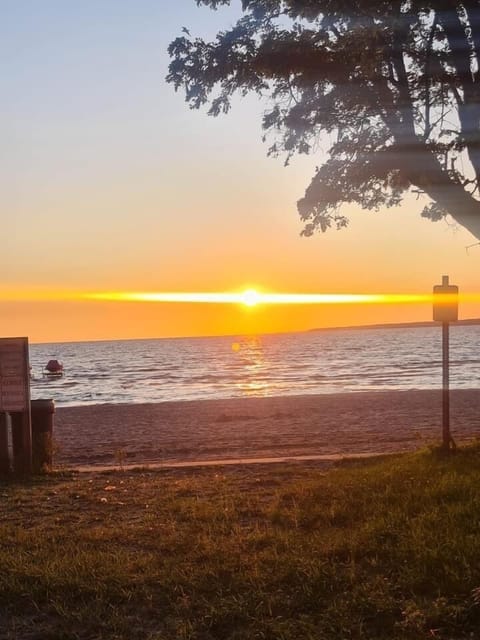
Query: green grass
point(381, 549)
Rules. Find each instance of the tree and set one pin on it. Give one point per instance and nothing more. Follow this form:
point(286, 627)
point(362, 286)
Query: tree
point(392, 87)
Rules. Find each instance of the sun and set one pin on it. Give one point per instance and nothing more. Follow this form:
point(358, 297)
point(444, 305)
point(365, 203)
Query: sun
point(250, 298)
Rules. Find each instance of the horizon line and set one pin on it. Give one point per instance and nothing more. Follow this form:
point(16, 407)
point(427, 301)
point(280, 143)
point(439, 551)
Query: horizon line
point(387, 325)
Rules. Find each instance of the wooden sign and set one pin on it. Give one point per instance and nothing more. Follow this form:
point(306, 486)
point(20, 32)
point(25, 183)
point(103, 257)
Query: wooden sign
point(14, 375)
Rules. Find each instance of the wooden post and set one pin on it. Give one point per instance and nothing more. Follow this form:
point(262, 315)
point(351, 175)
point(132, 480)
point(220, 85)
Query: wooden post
point(4, 457)
point(22, 442)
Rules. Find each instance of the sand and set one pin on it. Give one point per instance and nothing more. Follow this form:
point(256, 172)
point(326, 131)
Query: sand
point(309, 425)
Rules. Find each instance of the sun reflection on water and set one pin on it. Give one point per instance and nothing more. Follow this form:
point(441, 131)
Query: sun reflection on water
point(250, 359)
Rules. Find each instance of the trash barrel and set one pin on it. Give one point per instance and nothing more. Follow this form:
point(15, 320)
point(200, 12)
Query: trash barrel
point(42, 433)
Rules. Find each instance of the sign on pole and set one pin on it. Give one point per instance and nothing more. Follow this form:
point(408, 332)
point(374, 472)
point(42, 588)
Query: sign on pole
point(15, 400)
point(445, 301)
point(14, 375)
point(445, 310)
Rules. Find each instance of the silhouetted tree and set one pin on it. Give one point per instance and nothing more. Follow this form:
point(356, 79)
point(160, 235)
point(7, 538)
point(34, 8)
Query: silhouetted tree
point(392, 89)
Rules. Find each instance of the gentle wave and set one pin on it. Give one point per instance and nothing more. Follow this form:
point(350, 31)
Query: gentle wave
point(282, 364)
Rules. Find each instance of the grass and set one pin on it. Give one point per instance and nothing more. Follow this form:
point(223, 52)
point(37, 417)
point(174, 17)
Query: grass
point(381, 549)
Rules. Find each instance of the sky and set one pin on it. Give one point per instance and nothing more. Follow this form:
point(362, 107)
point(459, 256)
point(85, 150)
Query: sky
point(109, 182)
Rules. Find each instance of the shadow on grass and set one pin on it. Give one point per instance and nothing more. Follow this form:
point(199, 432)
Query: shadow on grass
point(380, 548)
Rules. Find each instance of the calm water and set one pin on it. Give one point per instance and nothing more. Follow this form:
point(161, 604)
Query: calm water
point(225, 367)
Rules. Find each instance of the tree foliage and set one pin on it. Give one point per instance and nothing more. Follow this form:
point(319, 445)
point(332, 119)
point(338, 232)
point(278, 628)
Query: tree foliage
point(391, 88)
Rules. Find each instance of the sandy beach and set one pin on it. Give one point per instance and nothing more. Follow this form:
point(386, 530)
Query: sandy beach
point(353, 423)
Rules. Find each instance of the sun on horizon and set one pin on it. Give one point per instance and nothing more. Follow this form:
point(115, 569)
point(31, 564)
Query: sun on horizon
point(251, 298)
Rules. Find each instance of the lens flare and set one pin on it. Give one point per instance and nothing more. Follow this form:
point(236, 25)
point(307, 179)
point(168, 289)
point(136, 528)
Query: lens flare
point(248, 297)
point(251, 298)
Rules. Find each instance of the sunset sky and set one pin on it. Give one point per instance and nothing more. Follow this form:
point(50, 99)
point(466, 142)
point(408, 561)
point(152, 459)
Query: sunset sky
point(109, 183)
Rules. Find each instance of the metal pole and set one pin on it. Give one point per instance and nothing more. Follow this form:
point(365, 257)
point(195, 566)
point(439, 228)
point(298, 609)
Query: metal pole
point(446, 383)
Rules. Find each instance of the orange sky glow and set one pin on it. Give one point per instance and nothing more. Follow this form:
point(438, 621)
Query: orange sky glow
point(68, 316)
point(128, 215)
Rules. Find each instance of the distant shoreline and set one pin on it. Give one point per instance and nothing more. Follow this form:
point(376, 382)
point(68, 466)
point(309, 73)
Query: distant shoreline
point(397, 325)
point(361, 327)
